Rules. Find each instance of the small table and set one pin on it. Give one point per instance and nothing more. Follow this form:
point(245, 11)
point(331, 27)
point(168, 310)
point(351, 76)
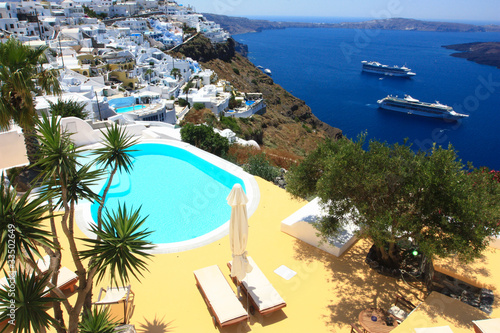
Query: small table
point(379, 326)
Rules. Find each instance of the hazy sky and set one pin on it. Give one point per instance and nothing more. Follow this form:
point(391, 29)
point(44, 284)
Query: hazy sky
point(462, 10)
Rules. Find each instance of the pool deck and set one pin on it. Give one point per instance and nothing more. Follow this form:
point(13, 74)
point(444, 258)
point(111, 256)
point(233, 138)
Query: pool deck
point(326, 295)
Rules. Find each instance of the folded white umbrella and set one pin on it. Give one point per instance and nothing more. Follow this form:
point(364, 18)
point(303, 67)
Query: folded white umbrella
point(238, 232)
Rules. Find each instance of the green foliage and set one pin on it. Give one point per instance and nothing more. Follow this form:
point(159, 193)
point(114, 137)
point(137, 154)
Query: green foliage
point(30, 302)
point(254, 81)
point(259, 165)
point(68, 109)
point(233, 103)
point(236, 71)
point(198, 106)
point(205, 138)
point(91, 13)
point(98, 321)
point(231, 123)
point(394, 194)
point(307, 128)
point(120, 246)
point(183, 102)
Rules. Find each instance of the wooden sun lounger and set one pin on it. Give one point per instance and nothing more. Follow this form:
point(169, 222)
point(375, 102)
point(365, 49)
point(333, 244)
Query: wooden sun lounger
point(264, 298)
point(219, 296)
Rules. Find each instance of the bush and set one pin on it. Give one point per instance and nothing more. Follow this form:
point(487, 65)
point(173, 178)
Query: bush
point(183, 102)
point(68, 109)
point(205, 138)
point(198, 106)
point(236, 71)
point(258, 165)
point(231, 123)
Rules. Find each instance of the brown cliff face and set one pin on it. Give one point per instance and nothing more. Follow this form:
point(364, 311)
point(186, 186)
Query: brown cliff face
point(288, 124)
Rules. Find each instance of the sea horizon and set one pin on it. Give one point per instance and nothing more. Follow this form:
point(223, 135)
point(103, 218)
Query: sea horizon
point(341, 19)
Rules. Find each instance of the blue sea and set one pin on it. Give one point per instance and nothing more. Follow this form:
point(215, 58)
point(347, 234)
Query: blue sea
point(323, 68)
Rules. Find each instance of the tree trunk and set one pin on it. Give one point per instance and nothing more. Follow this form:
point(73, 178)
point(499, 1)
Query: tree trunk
point(31, 143)
point(88, 299)
point(388, 258)
point(55, 264)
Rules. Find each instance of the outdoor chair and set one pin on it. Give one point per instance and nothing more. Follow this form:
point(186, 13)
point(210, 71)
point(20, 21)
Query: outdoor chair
point(116, 296)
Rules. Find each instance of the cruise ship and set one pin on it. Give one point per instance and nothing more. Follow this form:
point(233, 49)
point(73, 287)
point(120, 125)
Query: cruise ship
point(378, 68)
point(411, 105)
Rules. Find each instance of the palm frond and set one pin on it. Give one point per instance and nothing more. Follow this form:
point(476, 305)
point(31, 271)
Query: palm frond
point(21, 224)
point(29, 295)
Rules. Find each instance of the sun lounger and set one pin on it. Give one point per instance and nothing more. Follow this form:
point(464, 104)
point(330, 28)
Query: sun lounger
point(264, 298)
point(66, 280)
point(219, 296)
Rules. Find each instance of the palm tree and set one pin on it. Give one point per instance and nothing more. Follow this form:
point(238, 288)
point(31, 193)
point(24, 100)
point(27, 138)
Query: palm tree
point(22, 75)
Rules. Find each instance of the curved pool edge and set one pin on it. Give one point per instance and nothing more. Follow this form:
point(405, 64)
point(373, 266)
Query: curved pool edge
point(83, 216)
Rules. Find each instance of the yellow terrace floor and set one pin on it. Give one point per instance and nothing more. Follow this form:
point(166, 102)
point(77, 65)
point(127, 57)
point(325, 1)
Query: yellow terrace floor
point(326, 295)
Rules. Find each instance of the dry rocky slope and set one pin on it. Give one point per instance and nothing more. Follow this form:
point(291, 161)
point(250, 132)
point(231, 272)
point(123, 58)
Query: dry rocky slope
point(288, 125)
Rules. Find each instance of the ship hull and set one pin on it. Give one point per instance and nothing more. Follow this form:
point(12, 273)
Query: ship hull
point(424, 113)
point(381, 72)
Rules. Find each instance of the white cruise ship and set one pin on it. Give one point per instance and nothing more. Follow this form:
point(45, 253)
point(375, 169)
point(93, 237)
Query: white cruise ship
point(411, 105)
point(378, 68)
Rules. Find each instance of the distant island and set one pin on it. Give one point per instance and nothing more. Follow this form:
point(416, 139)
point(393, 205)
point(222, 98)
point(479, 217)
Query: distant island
point(241, 25)
point(481, 53)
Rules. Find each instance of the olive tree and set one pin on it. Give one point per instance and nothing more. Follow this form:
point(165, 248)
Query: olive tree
point(395, 195)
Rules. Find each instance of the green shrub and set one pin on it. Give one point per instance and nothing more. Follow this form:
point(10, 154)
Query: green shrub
point(183, 102)
point(68, 108)
point(198, 106)
point(307, 128)
point(231, 123)
point(205, 138)
point(236, 71)
point(254, 81)
point(258, 165)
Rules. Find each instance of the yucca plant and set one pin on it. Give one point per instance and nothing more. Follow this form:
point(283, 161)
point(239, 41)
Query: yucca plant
point(115, 154)
point(120, 246)
point(98, 321)
point(30, 302)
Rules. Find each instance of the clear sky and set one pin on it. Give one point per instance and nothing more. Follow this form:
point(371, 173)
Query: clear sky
point(449, 10)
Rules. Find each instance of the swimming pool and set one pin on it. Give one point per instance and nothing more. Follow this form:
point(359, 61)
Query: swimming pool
point(130, 108)
point(181, 189)
point(249, 102)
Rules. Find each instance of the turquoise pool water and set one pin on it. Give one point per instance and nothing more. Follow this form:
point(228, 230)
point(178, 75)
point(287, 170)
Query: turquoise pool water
point(183, 195)
point(130, 108)
point(249, 102)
